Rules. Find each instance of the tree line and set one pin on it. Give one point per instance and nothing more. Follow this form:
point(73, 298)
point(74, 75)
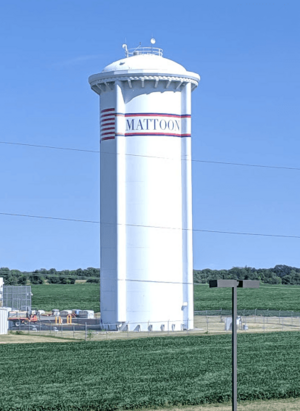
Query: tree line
point(52, 276)
point(280, 274)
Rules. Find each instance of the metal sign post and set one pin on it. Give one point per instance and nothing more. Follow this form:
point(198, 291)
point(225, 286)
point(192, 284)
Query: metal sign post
point(234, 348)
point(234, 284)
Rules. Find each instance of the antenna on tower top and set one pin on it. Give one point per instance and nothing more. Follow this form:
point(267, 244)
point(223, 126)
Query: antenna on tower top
point(142, 50)
point(124, 46)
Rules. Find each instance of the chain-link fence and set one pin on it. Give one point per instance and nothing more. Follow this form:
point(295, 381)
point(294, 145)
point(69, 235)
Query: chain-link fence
point(87, 331)
point(245, 313)
point(205, 322)
point(17, 297)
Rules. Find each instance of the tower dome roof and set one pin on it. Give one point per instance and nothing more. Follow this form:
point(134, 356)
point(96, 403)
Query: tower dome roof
point(145, 63)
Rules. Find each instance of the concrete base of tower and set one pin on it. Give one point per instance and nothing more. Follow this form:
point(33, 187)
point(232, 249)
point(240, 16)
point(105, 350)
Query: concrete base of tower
point(149, 326)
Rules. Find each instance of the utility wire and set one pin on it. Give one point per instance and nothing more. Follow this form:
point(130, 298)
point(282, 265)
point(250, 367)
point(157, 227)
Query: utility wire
point(49, 147)
point(152, 226)
point(147, 156)
point(30, 274)
point(158, 282)
point(50, 218)
point(58, 275)
point(247, 165)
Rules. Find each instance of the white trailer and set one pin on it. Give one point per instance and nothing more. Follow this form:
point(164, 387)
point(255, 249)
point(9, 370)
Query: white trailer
point(65, 313)
point(4, 320)
point(1, 291)
point(86, 314)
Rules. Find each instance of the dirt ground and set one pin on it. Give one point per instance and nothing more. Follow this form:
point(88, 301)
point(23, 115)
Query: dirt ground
point(271, 405)
point(28, 338)
point(216, 324)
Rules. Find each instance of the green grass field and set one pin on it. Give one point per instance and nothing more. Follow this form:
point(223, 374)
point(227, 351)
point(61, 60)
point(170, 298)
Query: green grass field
point(151, 372)
point(86, 296)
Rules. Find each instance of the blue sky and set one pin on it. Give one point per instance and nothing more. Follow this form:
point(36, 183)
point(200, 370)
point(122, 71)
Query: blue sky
point(245, 110)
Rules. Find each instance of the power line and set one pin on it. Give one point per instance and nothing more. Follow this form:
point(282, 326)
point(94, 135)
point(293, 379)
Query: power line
point(147, 156)
point(152, 226)
point(49, 147)
point(252, 234)
point(247, 165)
point(73, 276)
point(61, 274)
point(154, 281)
point(50, 218)
point(77, 277)
point(58, 275)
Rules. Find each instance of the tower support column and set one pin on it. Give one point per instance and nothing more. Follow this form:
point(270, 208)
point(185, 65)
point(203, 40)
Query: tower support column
point(121, 201)
point(187, 222)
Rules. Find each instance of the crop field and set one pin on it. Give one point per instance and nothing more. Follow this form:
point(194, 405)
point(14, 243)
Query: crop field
point(86, 296)
point(272, 297)
point(66, 296)
point(152, 372)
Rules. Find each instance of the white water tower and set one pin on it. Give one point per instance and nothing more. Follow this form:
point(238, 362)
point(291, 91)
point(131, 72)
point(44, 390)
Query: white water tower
point(146, 191)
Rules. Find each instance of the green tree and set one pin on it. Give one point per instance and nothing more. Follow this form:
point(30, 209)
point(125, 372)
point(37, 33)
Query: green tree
point(22, 280)
point(36, 279)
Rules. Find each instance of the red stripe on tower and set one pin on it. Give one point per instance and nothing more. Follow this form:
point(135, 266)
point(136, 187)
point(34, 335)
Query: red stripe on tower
point(108, 124)
point(107, 109)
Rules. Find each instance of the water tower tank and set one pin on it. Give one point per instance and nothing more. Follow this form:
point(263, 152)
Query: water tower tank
point(146, 192)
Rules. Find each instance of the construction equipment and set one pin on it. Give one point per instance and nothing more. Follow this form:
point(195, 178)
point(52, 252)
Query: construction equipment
point(21, 319)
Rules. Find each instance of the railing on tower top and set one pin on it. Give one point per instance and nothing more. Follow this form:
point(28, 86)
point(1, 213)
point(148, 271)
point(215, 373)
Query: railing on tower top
point(143, 50)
